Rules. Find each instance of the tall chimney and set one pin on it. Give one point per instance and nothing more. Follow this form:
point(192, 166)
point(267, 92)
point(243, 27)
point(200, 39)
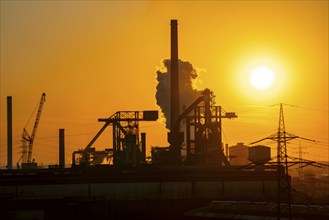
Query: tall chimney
point(9, 133)
point(174, 81)
point(61, 148)
point(175, 137)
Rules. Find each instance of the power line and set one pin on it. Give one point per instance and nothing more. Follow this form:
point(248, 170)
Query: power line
point(285, 104)
point(312, 109)
point(253, 109)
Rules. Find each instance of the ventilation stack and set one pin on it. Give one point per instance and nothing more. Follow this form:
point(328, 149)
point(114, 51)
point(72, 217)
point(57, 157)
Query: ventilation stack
point(9, 134)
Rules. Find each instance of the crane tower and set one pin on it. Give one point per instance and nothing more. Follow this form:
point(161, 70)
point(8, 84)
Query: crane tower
point(27, 139)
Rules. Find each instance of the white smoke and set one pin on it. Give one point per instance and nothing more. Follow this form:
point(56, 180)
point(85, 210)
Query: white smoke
point(188, 78)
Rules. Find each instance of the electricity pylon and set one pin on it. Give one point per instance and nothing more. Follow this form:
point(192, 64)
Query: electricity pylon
point(284, 184)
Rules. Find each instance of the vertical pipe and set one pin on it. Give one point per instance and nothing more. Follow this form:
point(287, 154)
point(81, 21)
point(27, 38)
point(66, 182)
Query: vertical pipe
point(143, 137)
point(226, 151)
point(188, 141)
point(61, 148)
point(174, 81)
point(9, 133)
point(133, 149)
point(114, 137)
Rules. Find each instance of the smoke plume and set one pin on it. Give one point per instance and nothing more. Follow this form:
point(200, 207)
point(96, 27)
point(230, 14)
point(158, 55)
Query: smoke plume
point(188, 77)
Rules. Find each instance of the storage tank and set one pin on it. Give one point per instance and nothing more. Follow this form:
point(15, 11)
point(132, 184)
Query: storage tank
point(259, 153)
point(239, 154)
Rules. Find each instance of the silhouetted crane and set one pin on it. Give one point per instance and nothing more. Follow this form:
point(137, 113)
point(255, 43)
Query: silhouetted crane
point(28, 139)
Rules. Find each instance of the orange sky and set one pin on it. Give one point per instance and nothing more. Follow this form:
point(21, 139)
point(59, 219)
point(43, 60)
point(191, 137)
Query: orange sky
point(95, 58)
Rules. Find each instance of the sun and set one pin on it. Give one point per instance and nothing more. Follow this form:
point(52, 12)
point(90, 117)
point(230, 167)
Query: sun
point(262, 78)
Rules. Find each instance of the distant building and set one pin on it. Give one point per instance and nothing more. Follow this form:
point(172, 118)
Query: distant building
point(239, 154)
point(259, 154)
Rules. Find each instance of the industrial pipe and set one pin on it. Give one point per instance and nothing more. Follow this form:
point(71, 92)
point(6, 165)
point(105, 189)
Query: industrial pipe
point(61, 148)
point(9, 133)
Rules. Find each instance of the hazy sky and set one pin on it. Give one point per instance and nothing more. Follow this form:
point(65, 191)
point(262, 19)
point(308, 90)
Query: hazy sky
point(95, 58)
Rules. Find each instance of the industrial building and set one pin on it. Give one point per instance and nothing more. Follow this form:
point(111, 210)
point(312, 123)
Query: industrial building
point(238, 154)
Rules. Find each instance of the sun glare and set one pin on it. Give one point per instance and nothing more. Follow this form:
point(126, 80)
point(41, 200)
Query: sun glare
point(261, 78)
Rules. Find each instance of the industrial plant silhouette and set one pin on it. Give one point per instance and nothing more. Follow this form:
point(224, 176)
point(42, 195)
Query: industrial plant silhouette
point(193, 178)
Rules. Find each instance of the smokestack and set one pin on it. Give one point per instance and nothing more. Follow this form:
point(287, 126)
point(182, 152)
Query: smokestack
point(175, 138)
point(9, 133)
point(61, 148)
point(174, 90)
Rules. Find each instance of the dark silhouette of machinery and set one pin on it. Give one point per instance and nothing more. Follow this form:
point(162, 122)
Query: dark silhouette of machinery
point(203, 127)
point(27, 139)
point(203, 135)
point(202, 118)
point(127, 148)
